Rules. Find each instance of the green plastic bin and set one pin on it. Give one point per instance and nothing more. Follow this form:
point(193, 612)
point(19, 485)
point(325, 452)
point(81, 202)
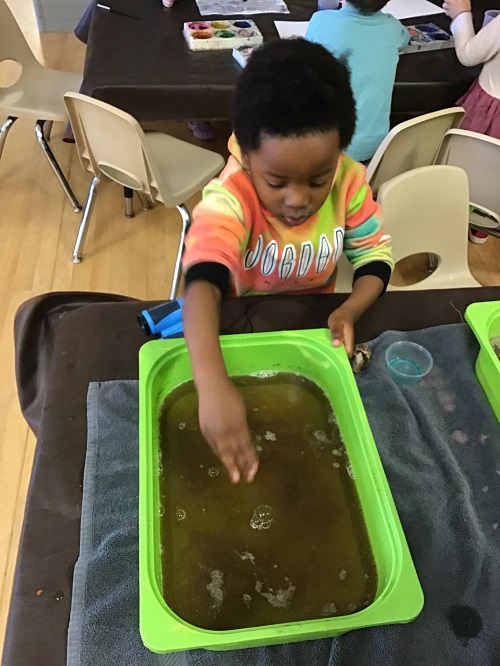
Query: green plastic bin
point(484, 319)
point(164, 364)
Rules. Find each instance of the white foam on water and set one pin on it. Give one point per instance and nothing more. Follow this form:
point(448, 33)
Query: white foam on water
point(329, 609)
point(270, 436)
point(215, 587)
point(337, 452)
point(321, 436)
point(352, 607)
point(181, 426)
point(336, 465)
point(247, 599)
point(343, 574)
point(282, 598)
point(259, 448)
point(264, 374)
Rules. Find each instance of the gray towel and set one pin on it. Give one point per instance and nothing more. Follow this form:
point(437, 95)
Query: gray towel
point(440, 445)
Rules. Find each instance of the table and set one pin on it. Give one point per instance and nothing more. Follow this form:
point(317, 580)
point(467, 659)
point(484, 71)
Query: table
point(144, 66)
point(56, 358)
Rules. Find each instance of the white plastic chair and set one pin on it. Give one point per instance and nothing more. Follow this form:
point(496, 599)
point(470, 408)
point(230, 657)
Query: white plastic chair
point(112, 146)
point(411, 144)
point(37, 94)
point(479, 156)
point(426, 210)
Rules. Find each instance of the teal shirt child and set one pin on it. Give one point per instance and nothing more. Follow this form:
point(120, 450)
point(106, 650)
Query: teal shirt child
point(370, 44)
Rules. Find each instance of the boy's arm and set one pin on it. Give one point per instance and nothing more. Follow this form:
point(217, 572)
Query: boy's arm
point(368, 249)
point(221, 409)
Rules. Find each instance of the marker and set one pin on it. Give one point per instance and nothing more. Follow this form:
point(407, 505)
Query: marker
point(115, 11)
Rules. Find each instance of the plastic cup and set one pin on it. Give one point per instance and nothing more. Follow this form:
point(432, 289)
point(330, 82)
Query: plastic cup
point(407, 362)
point(489, 15)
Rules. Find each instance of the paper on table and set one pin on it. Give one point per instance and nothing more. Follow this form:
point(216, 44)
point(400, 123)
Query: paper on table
point(400, 9)
point(241, 7)
point(403, 9)
point(288, 29)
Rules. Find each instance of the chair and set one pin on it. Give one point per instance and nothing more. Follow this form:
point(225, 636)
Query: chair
point(37, 94)
point(479, 156)
point(426, 210)
point(411, 144)
point(112, 146)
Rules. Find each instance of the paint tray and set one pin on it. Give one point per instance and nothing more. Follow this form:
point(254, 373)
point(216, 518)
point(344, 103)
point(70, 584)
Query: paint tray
point(428, 37)
point(164, 365)
point(221, 34)
point(484, 320)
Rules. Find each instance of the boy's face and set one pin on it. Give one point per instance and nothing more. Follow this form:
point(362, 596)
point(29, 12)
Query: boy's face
point(294, 176)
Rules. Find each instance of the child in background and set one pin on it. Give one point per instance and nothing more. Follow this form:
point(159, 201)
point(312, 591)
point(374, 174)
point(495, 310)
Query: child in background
point(482, 101)
point(288, 202)
point(369, 41)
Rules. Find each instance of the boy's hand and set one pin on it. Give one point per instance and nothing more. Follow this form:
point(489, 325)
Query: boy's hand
point(224, 425)
point(341, 325)
point(455, 7)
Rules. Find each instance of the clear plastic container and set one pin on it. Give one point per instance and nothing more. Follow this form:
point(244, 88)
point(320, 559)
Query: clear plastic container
point(407, 362)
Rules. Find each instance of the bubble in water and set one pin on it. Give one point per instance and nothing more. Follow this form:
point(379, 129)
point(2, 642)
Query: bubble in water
point(270, 436)
point(259, 448)
point(181, 426)
point(329, 609)
point(160, 469)
point(262, 518)
point(180, 514)
point(213, 472)
point(352, 607)
point(161, 510)
point(349, 470)
point(275, 566)
point(258, 438)
point(336, 452)
point(247, 599)
point(215, 587)
point(321, 436)
point(202, 466)
point(343, 574)
point(336, 465)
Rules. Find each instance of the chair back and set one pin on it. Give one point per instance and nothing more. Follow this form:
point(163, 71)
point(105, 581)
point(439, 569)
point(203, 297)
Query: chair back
point(426, 210)
point(412, 144)
point(111, 144)
point(479, 156)
point(13, 45)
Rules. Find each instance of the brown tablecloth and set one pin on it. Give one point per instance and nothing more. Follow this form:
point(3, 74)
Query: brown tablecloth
point(66, 340)
point(144, 66)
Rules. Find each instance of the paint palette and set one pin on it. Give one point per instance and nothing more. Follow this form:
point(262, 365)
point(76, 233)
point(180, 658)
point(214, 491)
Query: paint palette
point(428, 37)
point(216, 35)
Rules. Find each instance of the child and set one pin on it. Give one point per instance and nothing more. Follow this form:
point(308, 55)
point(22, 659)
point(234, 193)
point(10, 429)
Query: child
point(277, 219)
point(369, 41)
point(482, 101)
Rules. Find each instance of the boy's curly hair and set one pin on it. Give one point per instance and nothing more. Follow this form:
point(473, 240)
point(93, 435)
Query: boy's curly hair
point(368, 6)
point(292, 88)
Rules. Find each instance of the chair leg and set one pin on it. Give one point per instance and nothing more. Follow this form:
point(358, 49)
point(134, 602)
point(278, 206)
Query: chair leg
point(186, 221)
point(4, 130)
point(47, 129)
point(146, 203)
point(128, 193)
point(82, 229)
point(55, 166)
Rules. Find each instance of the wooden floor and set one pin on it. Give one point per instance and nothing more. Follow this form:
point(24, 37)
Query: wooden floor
point(132, 257)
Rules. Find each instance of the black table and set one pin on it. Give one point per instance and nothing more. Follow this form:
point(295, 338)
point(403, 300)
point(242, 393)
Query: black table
point(66, 340)
point(144, 66)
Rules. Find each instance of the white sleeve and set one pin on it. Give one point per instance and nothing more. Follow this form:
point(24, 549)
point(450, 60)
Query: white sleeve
point(475, 49)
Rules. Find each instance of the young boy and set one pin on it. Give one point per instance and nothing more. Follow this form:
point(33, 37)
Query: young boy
point(277, 219)
point(369, 41)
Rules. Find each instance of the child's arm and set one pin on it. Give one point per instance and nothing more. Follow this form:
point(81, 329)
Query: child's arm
point(368, 248)
point(221, 409)
point(471, 49)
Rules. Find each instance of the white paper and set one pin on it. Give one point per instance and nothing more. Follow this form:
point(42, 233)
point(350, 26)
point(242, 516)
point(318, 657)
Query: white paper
point(241, 7)
point(289, 29)
point(404, 9)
